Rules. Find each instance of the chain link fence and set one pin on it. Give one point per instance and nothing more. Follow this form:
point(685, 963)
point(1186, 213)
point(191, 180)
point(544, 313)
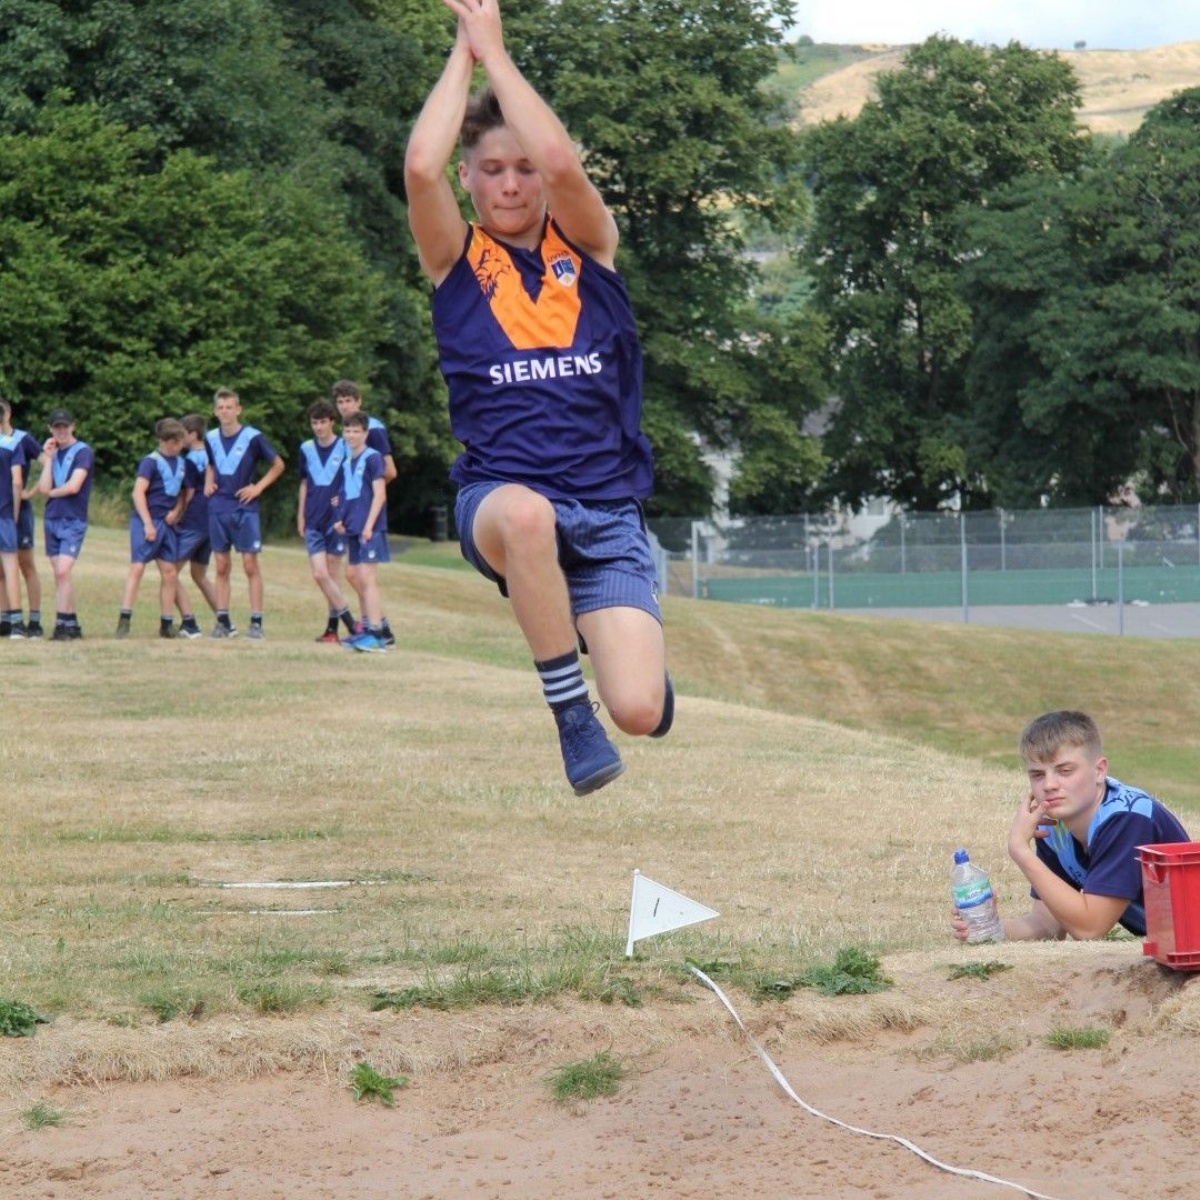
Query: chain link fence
point(842, 561)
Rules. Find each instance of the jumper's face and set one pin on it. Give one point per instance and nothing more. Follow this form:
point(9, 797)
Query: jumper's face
point(322, 428)
point(170, 447)
point(504, 186)
point(1069, 784)
point(227, 411)
point(348, 404)
point(356, 437)
point(62, 433)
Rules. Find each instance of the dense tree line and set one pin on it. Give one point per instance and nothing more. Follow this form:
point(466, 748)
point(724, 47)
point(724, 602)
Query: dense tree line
point(984, 305)
point(206, 192)
point(1014, 309)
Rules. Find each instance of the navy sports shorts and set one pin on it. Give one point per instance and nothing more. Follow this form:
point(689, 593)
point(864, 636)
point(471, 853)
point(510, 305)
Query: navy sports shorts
point(603, 551)
point(238, 528)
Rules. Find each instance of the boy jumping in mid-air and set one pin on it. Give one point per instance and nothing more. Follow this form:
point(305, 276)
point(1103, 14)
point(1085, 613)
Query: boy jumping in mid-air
point(538, 345)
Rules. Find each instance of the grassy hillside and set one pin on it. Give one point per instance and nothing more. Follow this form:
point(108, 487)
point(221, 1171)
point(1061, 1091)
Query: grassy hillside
point(963, 689)
point(1118, 86)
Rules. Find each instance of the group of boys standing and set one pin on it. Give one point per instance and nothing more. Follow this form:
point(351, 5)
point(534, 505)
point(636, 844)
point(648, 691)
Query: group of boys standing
point(65, 481)
point(196, 499)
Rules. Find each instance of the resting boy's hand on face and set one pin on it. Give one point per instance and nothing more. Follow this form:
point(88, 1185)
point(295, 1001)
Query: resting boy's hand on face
point(1029, 822)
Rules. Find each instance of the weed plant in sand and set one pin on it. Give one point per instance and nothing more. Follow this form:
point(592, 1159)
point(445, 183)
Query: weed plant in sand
point(18, 1019)
point(369, 1084)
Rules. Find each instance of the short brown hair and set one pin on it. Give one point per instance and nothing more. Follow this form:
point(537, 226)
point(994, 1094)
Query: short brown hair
point(1046, 735)
point(169, 430)
point(345, 387)
point(321, 410)
point(195, 423)
point(482, 116)
point(359, 420)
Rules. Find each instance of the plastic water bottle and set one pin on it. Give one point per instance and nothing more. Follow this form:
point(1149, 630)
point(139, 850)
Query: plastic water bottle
point(972, 893)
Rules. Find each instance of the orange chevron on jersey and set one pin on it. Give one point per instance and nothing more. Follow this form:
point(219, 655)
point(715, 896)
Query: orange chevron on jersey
point(529, 324)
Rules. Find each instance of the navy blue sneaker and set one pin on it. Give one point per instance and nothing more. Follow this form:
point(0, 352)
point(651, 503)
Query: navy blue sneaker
point(668, 712)
point(590, 758)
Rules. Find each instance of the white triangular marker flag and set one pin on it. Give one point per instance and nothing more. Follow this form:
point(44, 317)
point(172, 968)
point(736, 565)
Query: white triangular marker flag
point(657, 909)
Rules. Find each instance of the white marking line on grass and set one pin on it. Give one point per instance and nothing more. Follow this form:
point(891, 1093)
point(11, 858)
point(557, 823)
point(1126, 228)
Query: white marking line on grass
point(268, 912)
point(290, 884)
point(890, 1137)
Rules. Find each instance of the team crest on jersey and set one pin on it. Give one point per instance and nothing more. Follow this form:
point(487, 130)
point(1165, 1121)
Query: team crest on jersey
point(563, 266)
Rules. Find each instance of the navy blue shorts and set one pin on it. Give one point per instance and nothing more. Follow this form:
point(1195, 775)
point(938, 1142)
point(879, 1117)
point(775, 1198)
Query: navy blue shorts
point(238, 529)
point(603, 551)
point(8, 535)
point(193, 545)
point(64, 536)
point(324, 541)
point(25, 527)
point(376, 550)
point(164, 546)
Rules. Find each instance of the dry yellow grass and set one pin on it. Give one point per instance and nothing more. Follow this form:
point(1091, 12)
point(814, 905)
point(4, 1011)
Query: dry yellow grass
point(1118, 86)
point(141, 778)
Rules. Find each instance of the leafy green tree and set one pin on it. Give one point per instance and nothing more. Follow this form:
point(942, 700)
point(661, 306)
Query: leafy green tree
point(305, 95)
point(681, 133)
point(886, 250)
point(1086, 368)
point(130, 289)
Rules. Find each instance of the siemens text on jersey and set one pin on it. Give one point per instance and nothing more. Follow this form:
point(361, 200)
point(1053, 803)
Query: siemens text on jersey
point(525, 370)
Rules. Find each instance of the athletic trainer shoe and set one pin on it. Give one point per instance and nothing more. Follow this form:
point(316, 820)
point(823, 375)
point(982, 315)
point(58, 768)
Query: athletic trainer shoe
point(190, 631)
point(668, 710)
point(34, 630)
point(255, 633)
point(223, 631)
point(167, 631)
point(329, 637)
point(368, 643)
point(590, 759)
point(61, 634)
point(122, 627)
point(17, 630)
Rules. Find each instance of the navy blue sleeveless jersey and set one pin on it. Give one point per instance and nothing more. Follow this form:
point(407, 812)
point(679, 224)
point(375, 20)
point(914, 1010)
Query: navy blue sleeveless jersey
point(541, 356)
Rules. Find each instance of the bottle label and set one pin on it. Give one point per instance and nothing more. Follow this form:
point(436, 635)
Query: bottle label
point(972, 895)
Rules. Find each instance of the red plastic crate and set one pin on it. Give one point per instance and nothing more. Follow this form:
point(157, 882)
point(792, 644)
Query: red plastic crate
point(1171, 884)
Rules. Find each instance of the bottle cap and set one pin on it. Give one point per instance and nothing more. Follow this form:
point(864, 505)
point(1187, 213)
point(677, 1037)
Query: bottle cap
point(961, 856)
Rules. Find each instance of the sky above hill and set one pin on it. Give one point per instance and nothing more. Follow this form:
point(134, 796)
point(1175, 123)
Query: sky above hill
point(1040, 24)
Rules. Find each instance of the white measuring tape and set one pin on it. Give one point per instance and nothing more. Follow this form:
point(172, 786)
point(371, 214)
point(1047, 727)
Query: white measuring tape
point(889, 1137)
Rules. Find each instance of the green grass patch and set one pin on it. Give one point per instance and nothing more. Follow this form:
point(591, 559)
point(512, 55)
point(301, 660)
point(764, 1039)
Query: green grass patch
point(41, 1115)
point(275, 996)
point(977, 970)
point(166, 1006)
point(590, 1079)
point(1085, 1038)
